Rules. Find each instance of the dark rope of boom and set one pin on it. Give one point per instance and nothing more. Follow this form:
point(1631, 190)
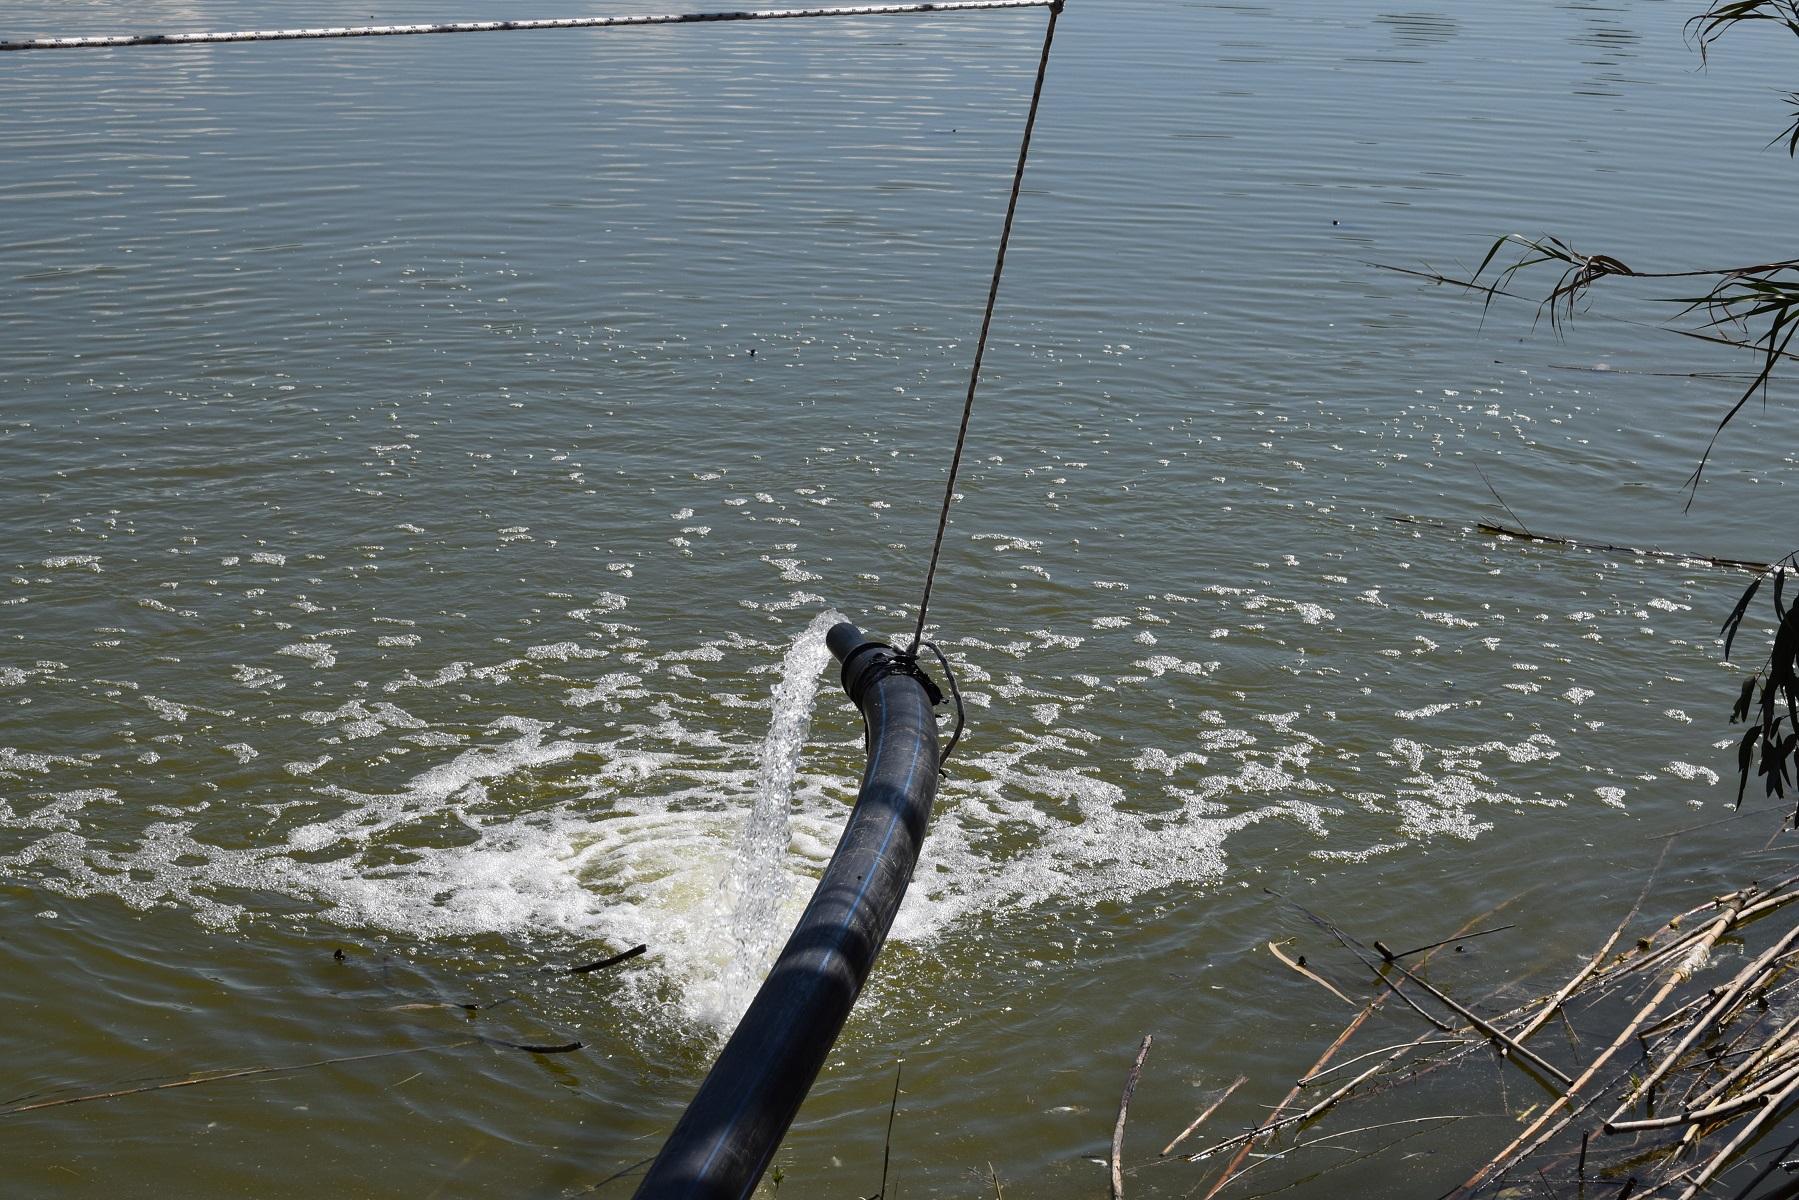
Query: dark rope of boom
point(358, 31)
point(980, 349)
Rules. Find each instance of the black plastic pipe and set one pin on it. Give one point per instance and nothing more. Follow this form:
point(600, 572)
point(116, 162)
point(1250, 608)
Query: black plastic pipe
point(723, 1143)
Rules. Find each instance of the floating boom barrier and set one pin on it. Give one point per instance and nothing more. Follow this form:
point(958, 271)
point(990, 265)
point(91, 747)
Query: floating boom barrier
point(724, 1142)
point(114, 41)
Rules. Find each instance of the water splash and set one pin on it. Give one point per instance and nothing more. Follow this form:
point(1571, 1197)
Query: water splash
point(756, 886)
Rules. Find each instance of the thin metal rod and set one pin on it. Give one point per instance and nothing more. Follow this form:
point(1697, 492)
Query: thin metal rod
point(358, 31)
point(980, 349)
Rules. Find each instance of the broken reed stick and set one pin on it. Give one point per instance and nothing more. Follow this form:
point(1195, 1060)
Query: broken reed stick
point(1568, 989)
point(1775, 1042)
point(1756, 1099)
point(1124, 1105)
point(899, 1068)
point(241, 1073)
point(1446, 941)
point(1295, 1118)
point(1523, 1144)
point(1764, 889)
point(1368, 1010)
point(619, 1174)
point(1724, 1004)
point(1275, 948)
point(1683, 1013)
point(1309, 1080)
point(1772, 896)
point(1330, 1052)
point(1204, 1113)
point(1743, 1138)
point(1480, 1023)
point(1331, 1137)
point(1650, 959)
point(602, 964)
point(1760, 908)
point(1356, 948)
point(1467, 1045)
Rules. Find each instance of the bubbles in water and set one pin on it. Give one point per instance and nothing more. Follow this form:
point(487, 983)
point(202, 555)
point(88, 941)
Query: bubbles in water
point(758, 884)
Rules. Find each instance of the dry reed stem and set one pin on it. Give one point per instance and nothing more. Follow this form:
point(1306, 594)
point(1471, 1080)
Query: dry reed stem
point(1324, 1059)
point(1722, 1006)
point(1299, 1117)
point(1775, 1049)
point(1523, 1144)
point(1275, 949)
point(1753, 909)
point(899, 1068)
point(1124, 1105)
point(1568, 989)
point(1490, 529)
point(1772, 896)
point(1554, 1004)
point(1331, 1137)
point(1200, 1119)
point(1755, 1099)
point(241, 1073)
point(1309, 1080)
point(1489, 1030)
point(1743, 1137)
point(1356, 948)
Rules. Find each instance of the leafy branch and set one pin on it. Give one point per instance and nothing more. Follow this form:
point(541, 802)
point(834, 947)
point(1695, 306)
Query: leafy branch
point(1759, 303)
point(1771, 742)
point(1715, 22)
point(1712, 24)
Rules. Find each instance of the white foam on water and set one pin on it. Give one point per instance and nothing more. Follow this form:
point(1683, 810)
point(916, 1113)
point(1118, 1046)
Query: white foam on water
point(686, 831)
point(655, 847)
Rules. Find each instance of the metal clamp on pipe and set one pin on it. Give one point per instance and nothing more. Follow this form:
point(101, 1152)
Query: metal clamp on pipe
point(726, 1139)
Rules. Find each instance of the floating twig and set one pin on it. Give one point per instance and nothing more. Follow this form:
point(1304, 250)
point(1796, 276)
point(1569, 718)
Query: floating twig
point(1308, 1080)
point(1446, 941)
point(420, 1006)
point(1204, 1113)
point(240, 1073)
point(603, 963)
point(1522, 1053)
point(619, 1174)
point(1279, 1123)
point(529, 1048)
point(1487, 527)
point(1275, 949)
point(1508, 508)
point(1356, 948)
point(1330, 1052)
point(1323, 1060)
point(899, 1067)
point(1124, 1104)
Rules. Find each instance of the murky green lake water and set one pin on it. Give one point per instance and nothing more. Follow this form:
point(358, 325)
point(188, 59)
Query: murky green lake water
point(422, 453)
